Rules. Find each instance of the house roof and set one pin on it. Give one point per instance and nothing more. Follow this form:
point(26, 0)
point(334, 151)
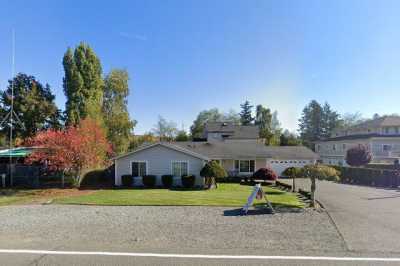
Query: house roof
point(245, 149)
point(234, 130)
point(360, 136)
point(167, 145)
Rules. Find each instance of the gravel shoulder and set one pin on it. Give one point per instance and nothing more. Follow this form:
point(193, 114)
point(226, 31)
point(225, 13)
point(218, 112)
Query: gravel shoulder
point(167, 229)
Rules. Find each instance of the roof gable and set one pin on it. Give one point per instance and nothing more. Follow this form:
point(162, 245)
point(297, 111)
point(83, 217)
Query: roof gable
point(166, 145)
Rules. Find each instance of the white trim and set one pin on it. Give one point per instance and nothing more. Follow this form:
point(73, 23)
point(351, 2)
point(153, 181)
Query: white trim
point(246, 173)
point(170, 146)
point(138, 161)
point(180, 161)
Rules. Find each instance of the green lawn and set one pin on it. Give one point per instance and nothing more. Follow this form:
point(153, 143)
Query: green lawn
point(11, 196)
point(224, 195)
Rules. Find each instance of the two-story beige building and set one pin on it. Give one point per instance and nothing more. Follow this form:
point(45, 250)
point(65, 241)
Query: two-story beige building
point(381, 135)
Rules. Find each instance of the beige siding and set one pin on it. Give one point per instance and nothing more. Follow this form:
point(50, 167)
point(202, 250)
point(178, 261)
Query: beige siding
point(159, 159)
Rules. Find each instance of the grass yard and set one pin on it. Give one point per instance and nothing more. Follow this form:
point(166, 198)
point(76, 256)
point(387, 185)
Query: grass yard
point(36, 196)
point(225, 195)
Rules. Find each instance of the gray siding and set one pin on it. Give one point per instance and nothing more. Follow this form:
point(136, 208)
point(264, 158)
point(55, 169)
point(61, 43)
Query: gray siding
point(158, 160)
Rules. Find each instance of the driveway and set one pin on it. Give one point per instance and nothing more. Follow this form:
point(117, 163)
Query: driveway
point(367, 218)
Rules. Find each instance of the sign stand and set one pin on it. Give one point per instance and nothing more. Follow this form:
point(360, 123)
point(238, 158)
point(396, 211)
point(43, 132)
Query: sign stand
point(256, 193)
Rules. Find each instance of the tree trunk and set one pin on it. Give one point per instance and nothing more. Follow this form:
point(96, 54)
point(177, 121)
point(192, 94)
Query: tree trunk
point(294, 184)
point(210, 183)
point(313, 186)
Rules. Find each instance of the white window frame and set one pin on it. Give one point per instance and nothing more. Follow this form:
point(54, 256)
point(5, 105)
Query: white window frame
point(238, 169)
point(139, 161)
point(175, 161)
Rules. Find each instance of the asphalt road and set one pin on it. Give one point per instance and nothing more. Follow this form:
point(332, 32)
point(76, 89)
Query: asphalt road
point(368, 218)
point(361, 222)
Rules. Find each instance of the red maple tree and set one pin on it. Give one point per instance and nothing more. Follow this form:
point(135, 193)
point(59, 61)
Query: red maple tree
point(71, 150)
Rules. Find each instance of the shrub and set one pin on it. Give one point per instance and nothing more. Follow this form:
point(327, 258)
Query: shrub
point(127, 180)
point(210, 172)
point(321, 172)
point(94, 178)
point(371, 177)
point(265, 174)
point(167, 180)
point(149, 180)
point(358, 156)
point(188, 181)
point(293, 172)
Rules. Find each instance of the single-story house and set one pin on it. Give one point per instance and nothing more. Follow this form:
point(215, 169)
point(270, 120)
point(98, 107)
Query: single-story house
point(179, 158)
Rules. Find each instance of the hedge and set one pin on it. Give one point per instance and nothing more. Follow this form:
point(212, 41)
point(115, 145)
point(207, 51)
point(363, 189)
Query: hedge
point(149, 180)
point(126, 180)
point(370, 177)
point(167, 180)
point(188, 181)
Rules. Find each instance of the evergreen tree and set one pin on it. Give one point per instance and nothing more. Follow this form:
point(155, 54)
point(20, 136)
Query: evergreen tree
point(311, 123)
point(83, 84)
point(246, 117)
point(289, 139)
point(116, 116)
point(317, 122)
point(33, 104)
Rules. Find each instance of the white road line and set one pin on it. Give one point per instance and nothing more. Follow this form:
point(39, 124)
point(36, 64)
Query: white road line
point(192, 256)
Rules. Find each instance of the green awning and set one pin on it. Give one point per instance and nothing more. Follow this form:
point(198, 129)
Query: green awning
point(16, 152)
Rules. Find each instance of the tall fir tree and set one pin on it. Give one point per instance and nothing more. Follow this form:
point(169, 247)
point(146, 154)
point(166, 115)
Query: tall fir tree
point(33, 104)
point(317, 122)
point(83, 84)
point(116, 116)
point(246, 117)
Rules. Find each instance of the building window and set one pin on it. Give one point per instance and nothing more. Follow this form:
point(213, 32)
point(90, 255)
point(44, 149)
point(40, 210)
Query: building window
point(344, 146)
point(396, 130)
point(334, 147)
point(386, 147)
point(245, 166)
point(139, 168)
point(179, 168)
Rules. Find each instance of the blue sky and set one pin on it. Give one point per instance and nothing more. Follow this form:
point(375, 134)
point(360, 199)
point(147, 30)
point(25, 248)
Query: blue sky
point(187, 56)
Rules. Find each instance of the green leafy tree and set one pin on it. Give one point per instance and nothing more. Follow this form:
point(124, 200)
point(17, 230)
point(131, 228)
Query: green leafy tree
point(182, 136)
point(263, 120)
point(293, 172)
point(165, 130)
point(116, 116)
point(210, 172)
point(211, 115)
point(289, 139)
point(246, 117)
point(83, 84)
point(33, 104)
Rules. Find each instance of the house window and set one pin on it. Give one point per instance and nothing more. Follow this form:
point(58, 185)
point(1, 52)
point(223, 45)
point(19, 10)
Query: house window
point(139, 168)
point(179, 168)
point(344, 146)
point(386, 130)
point(386, 147)
point(334, 147)
point(245, 166)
